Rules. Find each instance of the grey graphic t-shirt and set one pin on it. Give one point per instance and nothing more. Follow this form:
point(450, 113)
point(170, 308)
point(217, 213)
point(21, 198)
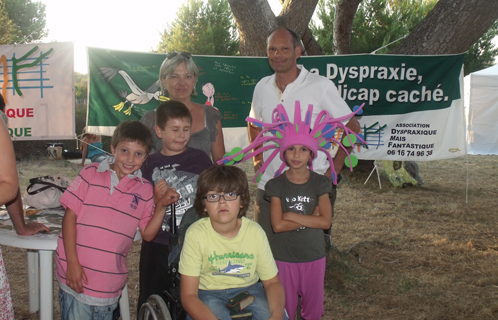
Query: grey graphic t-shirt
point(304, 244)
point(180, 172)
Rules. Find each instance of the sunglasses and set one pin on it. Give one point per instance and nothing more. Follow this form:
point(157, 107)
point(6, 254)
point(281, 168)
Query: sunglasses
point(173, 54)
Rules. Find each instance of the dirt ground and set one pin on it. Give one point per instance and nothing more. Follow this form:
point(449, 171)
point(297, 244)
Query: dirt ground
point(424, 252)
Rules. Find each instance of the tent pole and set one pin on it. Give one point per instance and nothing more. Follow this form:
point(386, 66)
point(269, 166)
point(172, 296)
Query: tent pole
point(467, 184)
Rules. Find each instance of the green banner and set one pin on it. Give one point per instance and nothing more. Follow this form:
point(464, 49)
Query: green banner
point(392, 84)
point(388, 84)
point(413, 107)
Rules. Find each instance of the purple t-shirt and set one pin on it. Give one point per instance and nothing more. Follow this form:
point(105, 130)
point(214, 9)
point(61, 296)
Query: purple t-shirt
point(181, 172)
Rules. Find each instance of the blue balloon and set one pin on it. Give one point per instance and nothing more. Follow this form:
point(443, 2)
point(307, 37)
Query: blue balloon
point(356, 108)
point(329, 132)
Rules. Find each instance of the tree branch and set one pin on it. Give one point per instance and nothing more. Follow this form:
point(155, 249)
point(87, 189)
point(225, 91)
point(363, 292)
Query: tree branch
point(343, 25)
point(296, 14)
point(255, 20)
point(311, 46)
point(450, 27)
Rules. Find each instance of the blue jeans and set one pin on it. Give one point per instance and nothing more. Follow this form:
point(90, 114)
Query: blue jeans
point(72, 309)
point(216, 301)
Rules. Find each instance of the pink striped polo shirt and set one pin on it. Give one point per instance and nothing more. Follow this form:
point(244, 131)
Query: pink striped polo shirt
point(105, 228)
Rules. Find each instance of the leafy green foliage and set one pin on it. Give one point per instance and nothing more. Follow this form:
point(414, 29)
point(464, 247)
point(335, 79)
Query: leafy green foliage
point(380, 22)
point(8, 31)
point(80, 87)
point(202, 28)
point(482, 54)
point(29, 19)
point(376, 23)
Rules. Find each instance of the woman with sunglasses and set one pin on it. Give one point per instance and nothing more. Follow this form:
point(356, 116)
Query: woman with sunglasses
point(177, 78)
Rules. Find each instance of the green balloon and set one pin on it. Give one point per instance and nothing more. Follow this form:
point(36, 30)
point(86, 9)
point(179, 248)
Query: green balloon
point(354, 161)
point(239, 156)
point(345, 140)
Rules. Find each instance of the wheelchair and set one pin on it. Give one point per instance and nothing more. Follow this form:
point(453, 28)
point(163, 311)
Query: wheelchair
point(156, 307)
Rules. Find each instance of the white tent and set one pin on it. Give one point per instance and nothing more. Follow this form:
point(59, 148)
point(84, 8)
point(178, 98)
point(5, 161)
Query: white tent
point(481, 89)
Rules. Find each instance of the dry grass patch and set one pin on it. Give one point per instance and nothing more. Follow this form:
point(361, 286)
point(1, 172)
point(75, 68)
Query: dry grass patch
point(418, 252)
point(413, 253)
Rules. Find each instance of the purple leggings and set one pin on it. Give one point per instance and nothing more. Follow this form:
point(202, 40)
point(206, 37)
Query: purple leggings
point(303, 279)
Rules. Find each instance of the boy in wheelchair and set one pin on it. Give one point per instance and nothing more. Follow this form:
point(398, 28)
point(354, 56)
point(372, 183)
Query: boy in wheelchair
point(177, 167)
point(225, 254)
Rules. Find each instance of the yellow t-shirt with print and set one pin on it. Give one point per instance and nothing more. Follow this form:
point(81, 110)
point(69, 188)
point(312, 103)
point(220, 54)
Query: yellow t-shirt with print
point(223, 263)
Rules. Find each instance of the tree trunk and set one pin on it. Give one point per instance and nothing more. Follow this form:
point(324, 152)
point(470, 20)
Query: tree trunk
point(343, 25)
point(296, 15)
point(311, 46)
point(256, 20)
point(453, 26)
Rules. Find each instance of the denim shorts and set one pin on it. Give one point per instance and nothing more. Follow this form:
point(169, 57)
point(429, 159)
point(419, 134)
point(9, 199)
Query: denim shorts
point(72, 309)
point(216, 301)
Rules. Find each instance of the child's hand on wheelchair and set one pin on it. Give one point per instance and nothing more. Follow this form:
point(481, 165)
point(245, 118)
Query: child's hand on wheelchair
point(168, 197)
point(160, 190)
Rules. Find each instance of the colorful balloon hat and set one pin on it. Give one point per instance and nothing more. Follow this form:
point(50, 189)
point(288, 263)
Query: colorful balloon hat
point(282, 134)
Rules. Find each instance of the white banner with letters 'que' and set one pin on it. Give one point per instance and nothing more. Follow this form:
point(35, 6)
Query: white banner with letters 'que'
point(37, 83)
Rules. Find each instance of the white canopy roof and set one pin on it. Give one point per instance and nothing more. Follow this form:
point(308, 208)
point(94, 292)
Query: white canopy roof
point(482, 126)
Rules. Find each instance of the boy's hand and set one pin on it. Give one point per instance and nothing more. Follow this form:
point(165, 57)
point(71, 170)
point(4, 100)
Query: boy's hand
point(160, 190)
point(171, 196)
point(74, 275)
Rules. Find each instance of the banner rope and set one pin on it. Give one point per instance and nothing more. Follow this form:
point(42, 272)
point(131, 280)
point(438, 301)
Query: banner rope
point(78, 138)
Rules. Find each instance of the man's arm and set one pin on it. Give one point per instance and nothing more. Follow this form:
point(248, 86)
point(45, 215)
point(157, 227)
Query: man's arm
point(253, 133)
point(16, 213)
point(340, 157)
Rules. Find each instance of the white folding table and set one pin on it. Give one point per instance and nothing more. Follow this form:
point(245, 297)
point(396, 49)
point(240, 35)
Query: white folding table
point(41, 249)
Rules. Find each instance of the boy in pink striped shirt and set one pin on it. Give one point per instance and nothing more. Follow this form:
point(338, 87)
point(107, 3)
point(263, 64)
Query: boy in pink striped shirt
point(104, 206)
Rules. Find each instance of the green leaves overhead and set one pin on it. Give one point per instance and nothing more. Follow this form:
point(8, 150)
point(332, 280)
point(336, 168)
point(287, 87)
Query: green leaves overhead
point(205, 28)
point(28, 18)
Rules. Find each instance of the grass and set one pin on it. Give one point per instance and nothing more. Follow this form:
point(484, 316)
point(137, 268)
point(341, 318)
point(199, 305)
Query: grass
point(425, 252)
point(417, 252)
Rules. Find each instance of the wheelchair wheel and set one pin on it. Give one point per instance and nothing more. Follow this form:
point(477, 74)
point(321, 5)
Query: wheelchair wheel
point(155, 308)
